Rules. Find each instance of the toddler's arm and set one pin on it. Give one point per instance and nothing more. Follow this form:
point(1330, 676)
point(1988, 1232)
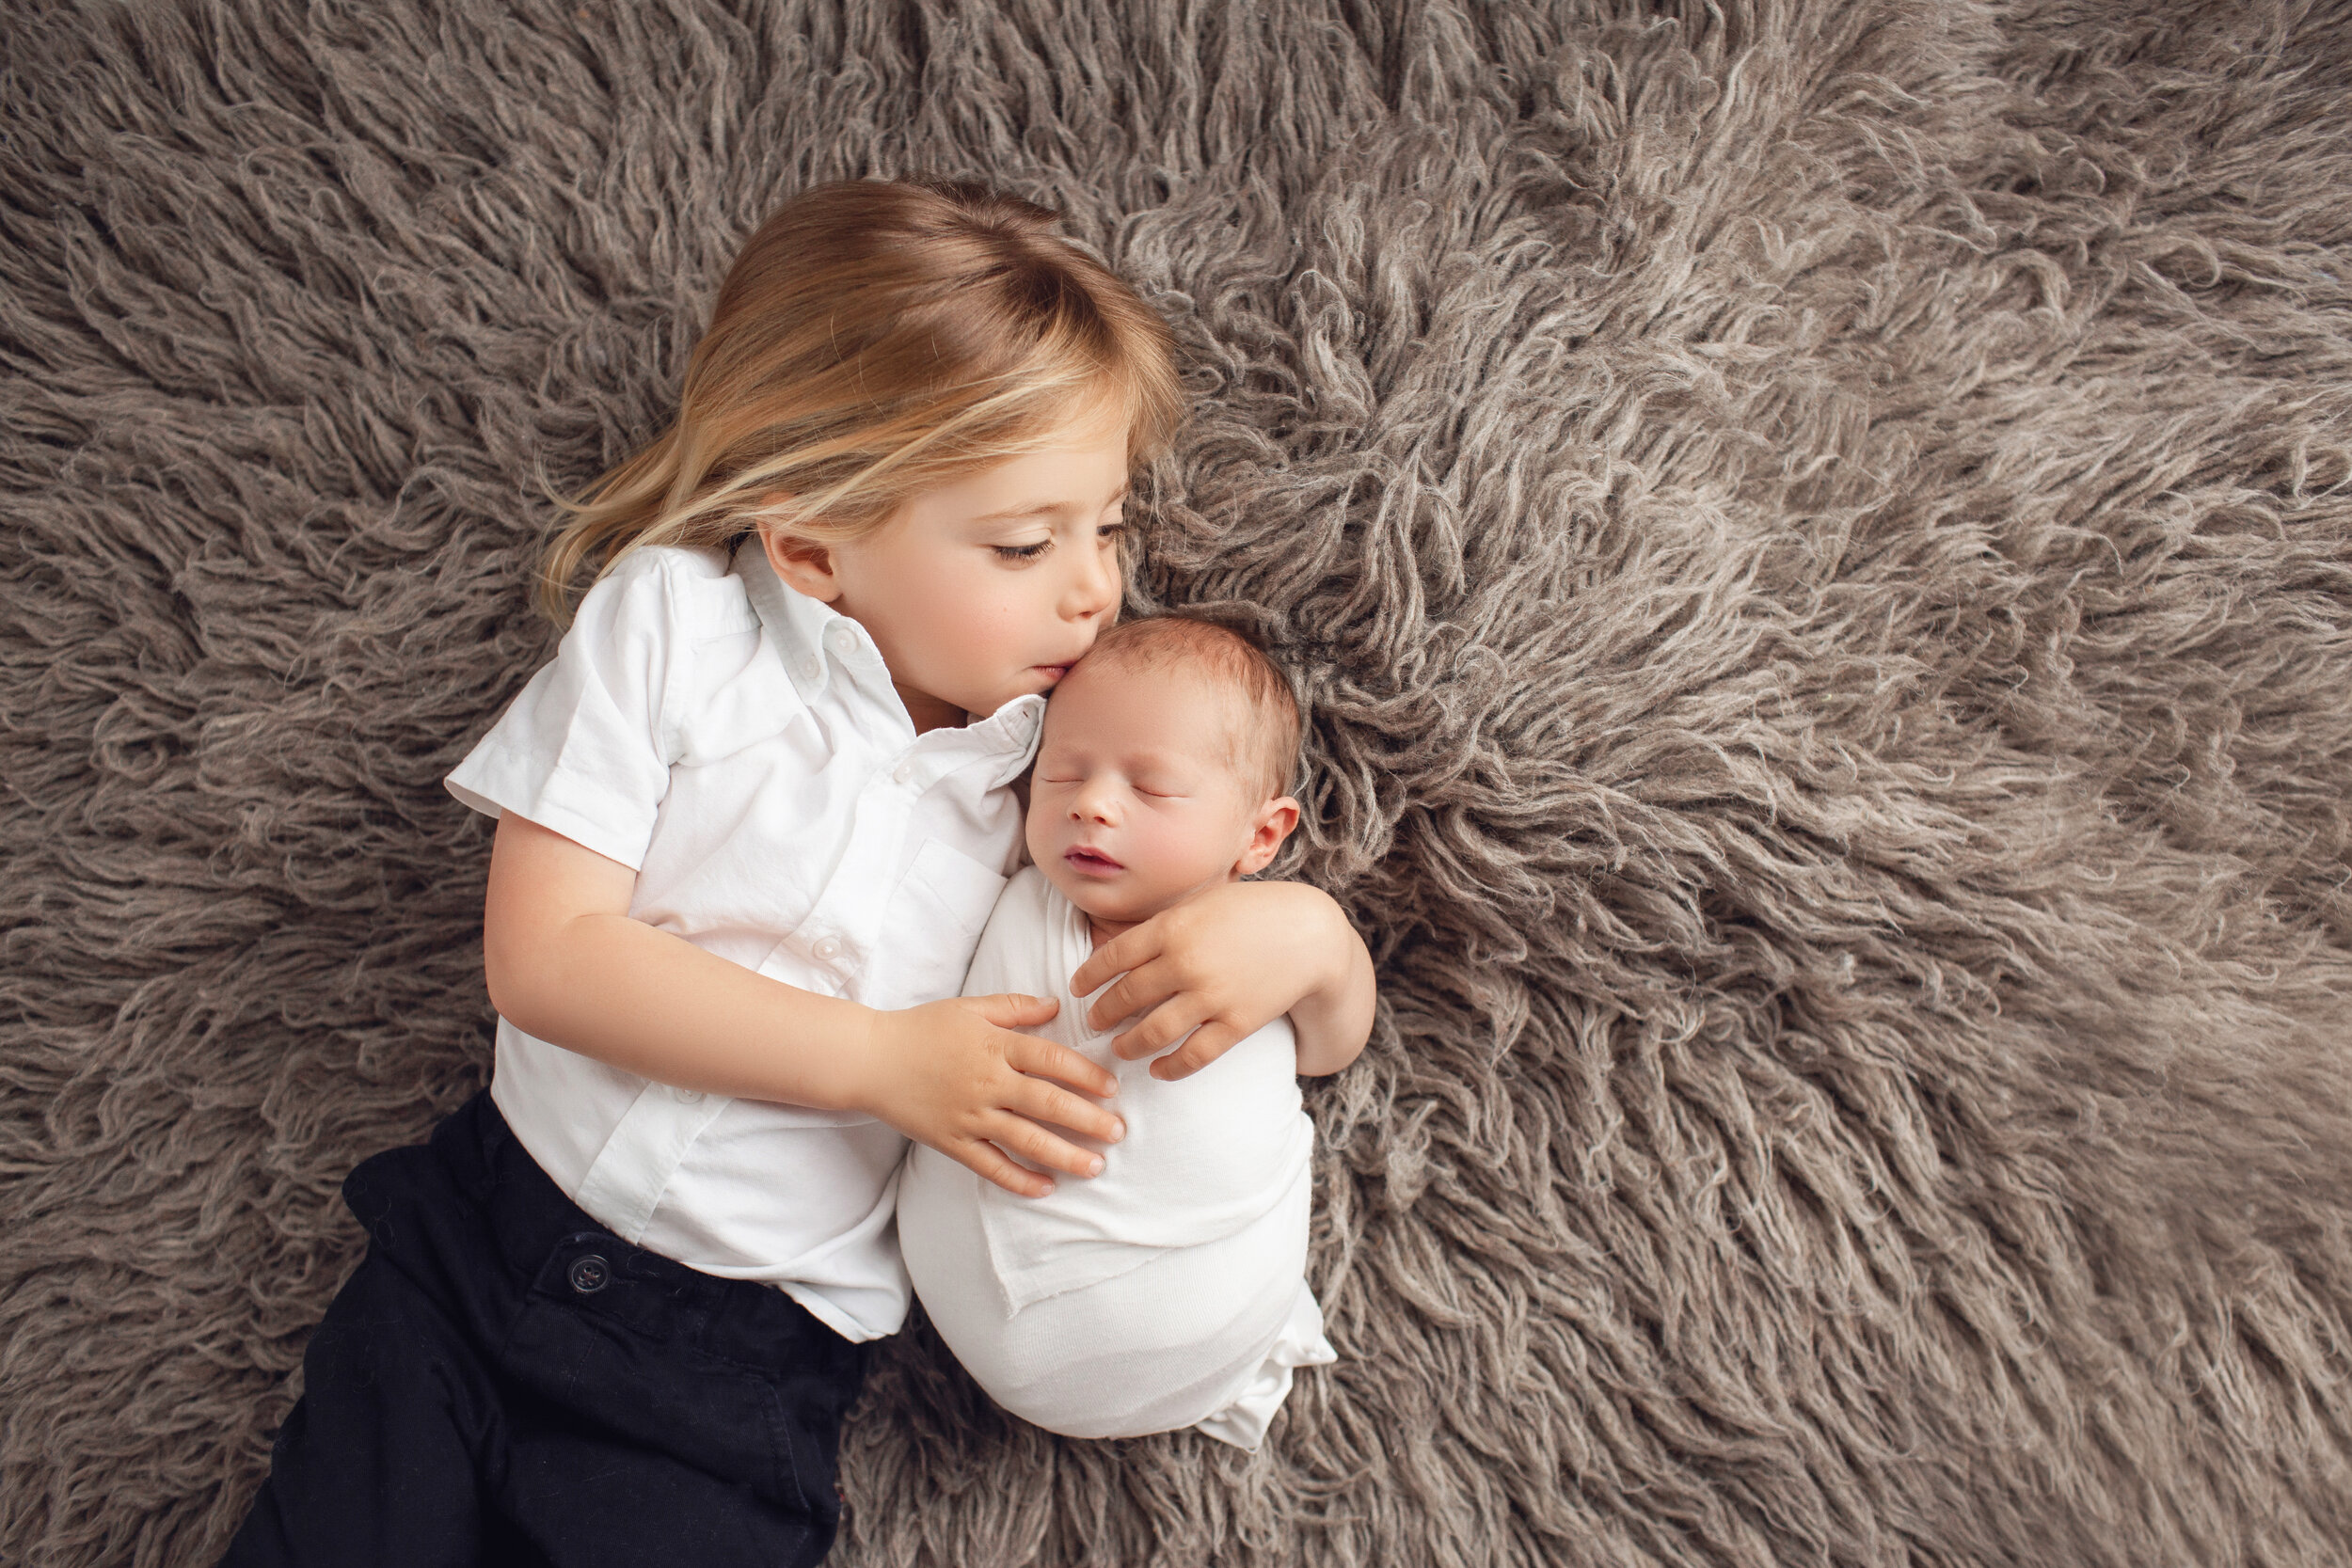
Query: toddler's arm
point(564, 963)
point(1225, 964)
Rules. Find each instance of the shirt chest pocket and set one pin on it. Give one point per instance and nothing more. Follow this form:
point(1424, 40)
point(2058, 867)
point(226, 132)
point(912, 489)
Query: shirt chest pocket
point(933, 922)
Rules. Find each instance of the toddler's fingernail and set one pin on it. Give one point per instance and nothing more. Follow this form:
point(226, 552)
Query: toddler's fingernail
point(1119, 1131)
point(1094, 1166)
point(1048, 1191)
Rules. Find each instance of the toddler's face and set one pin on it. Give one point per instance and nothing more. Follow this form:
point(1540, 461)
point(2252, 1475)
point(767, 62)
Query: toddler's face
point(989, 587)
point(1135, 803)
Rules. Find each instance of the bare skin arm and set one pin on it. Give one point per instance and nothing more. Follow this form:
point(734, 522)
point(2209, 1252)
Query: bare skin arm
point(1225, 964)
point(564, 963)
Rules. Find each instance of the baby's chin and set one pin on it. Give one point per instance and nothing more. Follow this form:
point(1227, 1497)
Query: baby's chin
point(1107, 901)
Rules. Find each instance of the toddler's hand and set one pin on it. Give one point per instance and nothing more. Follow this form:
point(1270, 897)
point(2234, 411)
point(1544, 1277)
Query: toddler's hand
point(1222, 964)
point(955, 1076)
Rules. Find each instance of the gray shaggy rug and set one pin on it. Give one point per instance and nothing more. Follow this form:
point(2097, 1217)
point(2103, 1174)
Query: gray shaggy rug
point(1819, 539)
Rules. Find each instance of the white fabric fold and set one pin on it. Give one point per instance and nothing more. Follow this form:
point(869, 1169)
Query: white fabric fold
point(1167, 1291)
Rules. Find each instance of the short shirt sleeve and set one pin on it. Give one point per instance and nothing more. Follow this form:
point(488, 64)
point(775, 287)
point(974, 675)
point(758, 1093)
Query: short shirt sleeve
point(585, 750)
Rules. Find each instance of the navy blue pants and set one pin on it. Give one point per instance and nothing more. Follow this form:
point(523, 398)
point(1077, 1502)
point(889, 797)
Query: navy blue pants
point(504, 1381)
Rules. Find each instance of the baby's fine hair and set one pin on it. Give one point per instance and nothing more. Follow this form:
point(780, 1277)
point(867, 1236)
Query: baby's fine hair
point(1265, 731)
point(872, 340)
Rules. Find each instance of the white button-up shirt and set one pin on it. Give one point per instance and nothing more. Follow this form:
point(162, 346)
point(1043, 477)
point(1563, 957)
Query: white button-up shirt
point(740, 746)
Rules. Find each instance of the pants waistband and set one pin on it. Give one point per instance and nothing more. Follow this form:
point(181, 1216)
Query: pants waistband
point(476, 1174)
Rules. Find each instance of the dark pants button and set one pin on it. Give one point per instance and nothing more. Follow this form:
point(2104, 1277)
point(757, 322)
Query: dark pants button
point(590, 1274)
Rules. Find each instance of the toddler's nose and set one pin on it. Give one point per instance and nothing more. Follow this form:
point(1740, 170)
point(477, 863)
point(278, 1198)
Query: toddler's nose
point(1095, 586)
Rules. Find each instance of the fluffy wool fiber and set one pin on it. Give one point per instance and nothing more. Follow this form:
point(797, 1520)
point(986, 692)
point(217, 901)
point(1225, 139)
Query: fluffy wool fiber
point(1818, 538)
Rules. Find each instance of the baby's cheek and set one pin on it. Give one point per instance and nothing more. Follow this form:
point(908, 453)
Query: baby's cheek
point(1037, 827)
point(1170, 848)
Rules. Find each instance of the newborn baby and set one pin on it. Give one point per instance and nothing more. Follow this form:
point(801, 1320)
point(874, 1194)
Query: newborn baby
point(1170, 1290)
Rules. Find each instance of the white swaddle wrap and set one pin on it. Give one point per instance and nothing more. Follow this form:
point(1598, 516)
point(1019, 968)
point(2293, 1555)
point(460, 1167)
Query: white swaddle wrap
point(1170, 1290)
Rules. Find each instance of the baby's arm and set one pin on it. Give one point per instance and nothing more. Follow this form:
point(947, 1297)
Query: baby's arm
point(1227, 963)
point(565, 962)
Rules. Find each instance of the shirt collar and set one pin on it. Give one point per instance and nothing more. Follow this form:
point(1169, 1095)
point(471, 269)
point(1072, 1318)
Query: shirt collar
point(815, 641)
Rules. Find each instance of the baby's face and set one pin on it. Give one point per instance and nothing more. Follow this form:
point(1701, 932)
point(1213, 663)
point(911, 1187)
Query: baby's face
point(1136, 803)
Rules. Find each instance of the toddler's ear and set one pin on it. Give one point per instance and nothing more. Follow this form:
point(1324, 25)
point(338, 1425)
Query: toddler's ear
point(803, 563)
point(1267, 830)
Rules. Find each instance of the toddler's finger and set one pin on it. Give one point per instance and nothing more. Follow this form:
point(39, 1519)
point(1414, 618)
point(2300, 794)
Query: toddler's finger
point(1208, 1042)
point(1021, 1137)
point(1122, 952)
point(1011, 1010)
point(1138, 991)
point(1160, 1028)
point(1041, 1101)
point(1041, 1058)
point(990, 1162)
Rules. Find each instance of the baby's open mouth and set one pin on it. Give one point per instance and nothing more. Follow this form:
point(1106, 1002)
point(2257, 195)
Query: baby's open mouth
point(1095, 860)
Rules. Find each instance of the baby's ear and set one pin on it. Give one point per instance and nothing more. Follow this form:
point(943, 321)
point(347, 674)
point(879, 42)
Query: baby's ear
point(1267, 830)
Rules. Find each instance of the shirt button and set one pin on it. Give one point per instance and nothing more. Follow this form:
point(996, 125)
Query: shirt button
point(590, 1274)
point(827, 948)
point(901, 773)
point(686, 1097)
point(807, 666)
point(844, 641)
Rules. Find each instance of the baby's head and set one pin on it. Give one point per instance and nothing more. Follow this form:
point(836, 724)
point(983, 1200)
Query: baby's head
point(1164, 769)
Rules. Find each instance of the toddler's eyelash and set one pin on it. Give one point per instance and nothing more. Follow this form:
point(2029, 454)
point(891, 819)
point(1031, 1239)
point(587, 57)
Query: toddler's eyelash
point(1030, 552)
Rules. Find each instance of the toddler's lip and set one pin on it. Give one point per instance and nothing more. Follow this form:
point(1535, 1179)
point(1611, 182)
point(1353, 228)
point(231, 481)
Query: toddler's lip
point(1052, 672)
point(1084, 859)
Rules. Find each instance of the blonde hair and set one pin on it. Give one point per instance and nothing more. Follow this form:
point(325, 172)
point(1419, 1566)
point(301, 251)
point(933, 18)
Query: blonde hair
point(872, 340)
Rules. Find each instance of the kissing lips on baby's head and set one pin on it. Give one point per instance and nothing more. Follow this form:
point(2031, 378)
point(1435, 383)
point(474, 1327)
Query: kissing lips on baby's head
point(1162, 770)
